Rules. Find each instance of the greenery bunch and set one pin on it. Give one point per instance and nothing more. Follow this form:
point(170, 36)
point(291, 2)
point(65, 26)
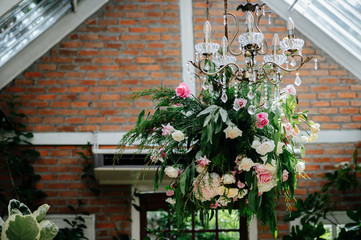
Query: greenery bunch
point(219, 156)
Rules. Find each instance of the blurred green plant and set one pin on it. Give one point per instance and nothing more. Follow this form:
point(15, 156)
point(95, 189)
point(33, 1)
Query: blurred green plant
point(76, 228)
point(317, 207)
point(16, 159)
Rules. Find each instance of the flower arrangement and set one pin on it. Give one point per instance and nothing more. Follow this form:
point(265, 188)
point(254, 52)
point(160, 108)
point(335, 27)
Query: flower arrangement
point(218, 155)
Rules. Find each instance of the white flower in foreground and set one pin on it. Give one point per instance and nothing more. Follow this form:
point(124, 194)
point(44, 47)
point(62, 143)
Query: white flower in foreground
point(256, 143)
point(171, 172)
point(265, 147)
point(170, 200)
point(232, 132)
point(178, 136)
point(300, 167)
point(304, 139)
point(246, 164)
point(228, 179)
point(279, 148)
point(312, 138)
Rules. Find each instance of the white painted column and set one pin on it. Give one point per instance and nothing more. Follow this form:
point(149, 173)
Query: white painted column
point(186, 22)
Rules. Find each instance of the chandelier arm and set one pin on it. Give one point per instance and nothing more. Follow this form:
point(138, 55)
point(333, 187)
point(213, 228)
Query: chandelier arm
point(234, 36)
point(198, 66)
point(259, 30)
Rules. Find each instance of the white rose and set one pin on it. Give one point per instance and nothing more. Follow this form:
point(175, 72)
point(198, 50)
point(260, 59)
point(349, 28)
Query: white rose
point(315, 128)
point(232, 132)
point(279, 148)
point(220, 190)
point(177, 136)
point(312, 138)
point(200, 169)
point(246, 164)
point(267, 186)
point(265, 147)
point(171, 172)
point(300, 167)
point(242, 193)
point(170, 200)
point(228, 179)
point(256, 143)
point(232, 192)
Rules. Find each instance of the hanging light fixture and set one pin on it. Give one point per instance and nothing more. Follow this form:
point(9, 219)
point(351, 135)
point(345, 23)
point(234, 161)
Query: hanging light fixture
point(259, 82)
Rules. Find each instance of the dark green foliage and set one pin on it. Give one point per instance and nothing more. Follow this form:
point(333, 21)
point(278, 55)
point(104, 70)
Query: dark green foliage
point(17, 159)
point(351, 230)
point(76, 228)
point(88, 170)
point(343, 178)
point(307, 232)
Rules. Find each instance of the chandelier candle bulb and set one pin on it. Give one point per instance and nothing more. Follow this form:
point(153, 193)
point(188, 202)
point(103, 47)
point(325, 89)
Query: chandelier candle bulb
point(224, 45)
point(291, 28)
point(207, 31)
point(249, 22)
point(275, 43)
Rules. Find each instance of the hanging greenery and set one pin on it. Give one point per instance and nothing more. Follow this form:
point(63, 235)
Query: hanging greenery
point(217, 154)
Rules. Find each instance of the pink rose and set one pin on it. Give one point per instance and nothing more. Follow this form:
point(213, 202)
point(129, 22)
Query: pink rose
point(203, 161)
point(170, 193)
point(264, 177)
point(167, 129)
point(240, 184)
point(260, 168)
point(285, 175)
point(241, 102)
point(183, 90)
point(262, 120)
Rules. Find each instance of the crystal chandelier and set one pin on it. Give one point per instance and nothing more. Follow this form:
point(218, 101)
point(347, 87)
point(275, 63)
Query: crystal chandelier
point(257, 82)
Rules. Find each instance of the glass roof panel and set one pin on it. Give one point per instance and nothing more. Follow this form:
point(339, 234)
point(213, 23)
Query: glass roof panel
point(25, 22)
point(338, 19)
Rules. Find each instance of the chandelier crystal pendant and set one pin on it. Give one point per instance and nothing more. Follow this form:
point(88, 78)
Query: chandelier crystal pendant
point(218, 62)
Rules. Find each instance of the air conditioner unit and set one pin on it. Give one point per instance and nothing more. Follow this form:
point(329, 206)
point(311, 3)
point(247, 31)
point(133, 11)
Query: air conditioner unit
point(128, 169)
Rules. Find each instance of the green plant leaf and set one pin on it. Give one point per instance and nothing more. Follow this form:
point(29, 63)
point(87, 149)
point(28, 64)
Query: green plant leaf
point(48, 230)
point(40, 213)
point(21, 227)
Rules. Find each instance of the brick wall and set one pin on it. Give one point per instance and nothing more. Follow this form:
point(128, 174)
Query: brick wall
point(82, 82)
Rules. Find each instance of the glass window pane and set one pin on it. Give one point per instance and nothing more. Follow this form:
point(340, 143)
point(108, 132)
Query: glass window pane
point(207, 224)
point(328, 234)
point(156, 219)
point(229, 235)
point(228, 221)
point(185, 236)
point(205, 236)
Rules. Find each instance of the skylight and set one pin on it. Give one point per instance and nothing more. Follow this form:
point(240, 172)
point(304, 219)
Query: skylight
point(333, 25)
point(27, 21)
point(339, 19)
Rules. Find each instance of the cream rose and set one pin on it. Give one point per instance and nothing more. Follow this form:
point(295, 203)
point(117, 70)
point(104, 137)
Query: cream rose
point(228, 179)
point(246, 164)
point(223, 201)
point(220, 190)
point(171, 172)
point(232, 132)
point(232, 192)
point(178, 136)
